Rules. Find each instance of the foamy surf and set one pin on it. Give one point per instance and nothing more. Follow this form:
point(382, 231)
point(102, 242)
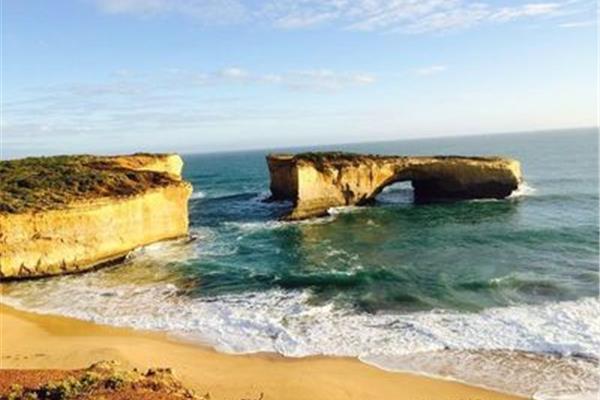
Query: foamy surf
point(197, 195)
point(508, 371)
point(524, 190)
point(255, 226)
point(333, 211)
point(549, 349)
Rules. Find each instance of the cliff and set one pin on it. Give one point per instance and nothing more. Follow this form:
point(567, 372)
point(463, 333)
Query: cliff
point(315, 182)
point(72, 213)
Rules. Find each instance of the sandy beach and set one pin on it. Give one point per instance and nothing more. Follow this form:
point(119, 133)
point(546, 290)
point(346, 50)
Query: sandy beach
point(48, 342)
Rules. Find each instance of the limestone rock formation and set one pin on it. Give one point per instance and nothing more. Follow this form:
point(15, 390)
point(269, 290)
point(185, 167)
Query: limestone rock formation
point(72, 213)
point(315, 182)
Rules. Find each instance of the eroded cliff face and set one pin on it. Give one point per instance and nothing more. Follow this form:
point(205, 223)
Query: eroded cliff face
point(316, 182)
point(170, 164)
point(86, 233)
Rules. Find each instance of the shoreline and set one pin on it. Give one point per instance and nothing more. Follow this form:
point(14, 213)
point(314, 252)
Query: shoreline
point(35, 341)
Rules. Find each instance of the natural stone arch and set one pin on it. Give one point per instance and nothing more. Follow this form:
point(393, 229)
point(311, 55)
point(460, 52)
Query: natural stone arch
point(315, 182)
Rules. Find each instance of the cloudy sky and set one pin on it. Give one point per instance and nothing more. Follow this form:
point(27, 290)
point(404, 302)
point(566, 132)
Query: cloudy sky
point(208, 75)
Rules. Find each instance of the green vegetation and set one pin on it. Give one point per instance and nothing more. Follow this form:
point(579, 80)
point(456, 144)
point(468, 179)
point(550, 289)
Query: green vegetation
point(341, 156)
point(333, 156)
point(42, 183)
point(105, 381)
point(338, 158)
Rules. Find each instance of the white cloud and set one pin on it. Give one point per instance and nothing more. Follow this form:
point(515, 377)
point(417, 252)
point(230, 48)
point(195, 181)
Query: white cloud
point(408, 16)
point(527, 10)
point(469, 14)
point(577, 24)
point(325, 80)
point(310, 80)
point(363, 79)
point(431, 70)
point(272, 78)
point(234, 73)
point(206, 11)
point(105, 89)
point(134, 6)
point(173, 98)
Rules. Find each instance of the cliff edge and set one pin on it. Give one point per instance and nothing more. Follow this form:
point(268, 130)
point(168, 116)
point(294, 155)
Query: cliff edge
point(72, 213)
point(315, 182)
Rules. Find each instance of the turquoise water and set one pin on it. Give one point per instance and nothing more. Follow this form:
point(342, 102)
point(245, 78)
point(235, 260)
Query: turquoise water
point(382, 282)
point(397, 256)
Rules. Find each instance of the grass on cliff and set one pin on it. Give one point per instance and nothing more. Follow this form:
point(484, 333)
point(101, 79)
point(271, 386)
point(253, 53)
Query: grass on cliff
point(42, 183)
point(321, 159)
point(103, 380)
point(333, 156)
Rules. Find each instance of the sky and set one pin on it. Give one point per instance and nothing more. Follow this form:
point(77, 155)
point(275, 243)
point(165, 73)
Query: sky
point(118, 76)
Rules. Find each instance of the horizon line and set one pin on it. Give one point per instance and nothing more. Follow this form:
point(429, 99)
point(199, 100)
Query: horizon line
point(460, 135)
point(283, 148)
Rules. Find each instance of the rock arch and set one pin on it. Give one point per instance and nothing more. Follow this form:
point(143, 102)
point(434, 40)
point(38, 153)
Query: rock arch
point(315, 182)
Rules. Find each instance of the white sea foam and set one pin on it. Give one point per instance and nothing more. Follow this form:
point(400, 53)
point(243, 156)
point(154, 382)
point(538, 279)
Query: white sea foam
point(202, 241)
point(333, 211)
point(197, 194)
point(524, 190)
point(178, 250)
point(288, 323)
point(262, 196)
point(508, 371)
point(254, 226)
point(208, 243)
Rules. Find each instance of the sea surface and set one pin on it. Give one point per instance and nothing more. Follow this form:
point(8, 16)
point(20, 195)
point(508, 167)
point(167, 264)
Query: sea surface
point(501, 294)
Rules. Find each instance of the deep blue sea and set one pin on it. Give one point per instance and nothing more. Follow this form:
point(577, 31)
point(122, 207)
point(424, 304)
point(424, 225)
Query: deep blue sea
point(502, 294)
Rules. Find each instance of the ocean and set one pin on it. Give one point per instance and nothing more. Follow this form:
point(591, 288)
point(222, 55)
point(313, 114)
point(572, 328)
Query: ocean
point(495, 293)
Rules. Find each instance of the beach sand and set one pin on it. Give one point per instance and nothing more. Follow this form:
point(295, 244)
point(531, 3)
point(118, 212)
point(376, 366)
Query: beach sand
point(31, 341)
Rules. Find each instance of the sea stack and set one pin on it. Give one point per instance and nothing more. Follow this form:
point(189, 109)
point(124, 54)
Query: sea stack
point(67, 214)
point(315, 182)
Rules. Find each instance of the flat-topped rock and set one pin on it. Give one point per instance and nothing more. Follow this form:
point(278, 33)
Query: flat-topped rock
point(71, 213)
point(315, 182)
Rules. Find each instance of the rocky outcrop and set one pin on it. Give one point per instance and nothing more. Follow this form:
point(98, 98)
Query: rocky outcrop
point(102, 380)
point(109, 206)
point(315, 182)
point(170, 164)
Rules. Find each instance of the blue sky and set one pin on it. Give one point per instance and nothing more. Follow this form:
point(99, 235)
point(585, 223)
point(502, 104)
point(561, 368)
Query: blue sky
point(106, 76)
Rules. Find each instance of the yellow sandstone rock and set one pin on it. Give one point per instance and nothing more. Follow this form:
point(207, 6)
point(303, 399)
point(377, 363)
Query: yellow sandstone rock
point(315, 182)
point(170, 163)
point(95, 224)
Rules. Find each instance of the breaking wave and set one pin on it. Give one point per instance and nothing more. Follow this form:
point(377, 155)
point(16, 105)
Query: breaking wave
point(524, 190)
point(556, 342)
